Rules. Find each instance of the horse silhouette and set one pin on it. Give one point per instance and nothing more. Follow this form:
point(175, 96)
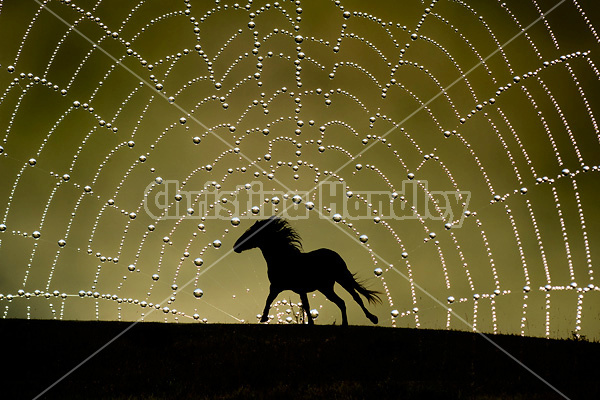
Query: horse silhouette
point(290, 268)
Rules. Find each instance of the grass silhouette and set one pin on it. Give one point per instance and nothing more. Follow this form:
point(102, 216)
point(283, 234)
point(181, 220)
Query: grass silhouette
point(196, 361)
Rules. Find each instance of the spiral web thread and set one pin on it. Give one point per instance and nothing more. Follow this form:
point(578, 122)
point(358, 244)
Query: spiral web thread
point(425, 102)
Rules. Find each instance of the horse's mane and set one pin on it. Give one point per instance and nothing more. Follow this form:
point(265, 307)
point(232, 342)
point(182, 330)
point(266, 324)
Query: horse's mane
point(282, 232)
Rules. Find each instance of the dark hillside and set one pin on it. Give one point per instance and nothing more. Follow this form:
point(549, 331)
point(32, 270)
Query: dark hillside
point(193, 361)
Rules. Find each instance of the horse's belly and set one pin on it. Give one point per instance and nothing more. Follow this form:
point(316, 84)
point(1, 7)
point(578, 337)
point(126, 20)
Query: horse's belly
point(303, 289)
point(307, 272)
point(309, 284)
point(299, 283)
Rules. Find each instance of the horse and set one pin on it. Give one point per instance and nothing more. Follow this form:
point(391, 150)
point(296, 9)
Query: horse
point(290, 268)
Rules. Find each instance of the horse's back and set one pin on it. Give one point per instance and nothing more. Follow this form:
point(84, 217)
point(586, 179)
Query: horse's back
point(325, 253)
point(324, 261)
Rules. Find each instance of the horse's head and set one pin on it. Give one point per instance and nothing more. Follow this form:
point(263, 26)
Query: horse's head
point(253, 236)
point(274, 231)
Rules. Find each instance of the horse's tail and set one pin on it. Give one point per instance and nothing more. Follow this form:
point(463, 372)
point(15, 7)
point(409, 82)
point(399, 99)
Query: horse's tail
point(372, 296)
point(350, 282)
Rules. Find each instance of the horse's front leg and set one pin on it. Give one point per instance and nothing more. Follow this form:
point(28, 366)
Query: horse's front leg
point(273, 292)
point(304, 299)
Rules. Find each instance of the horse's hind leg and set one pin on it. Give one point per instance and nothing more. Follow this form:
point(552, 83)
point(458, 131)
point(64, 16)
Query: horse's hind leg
point(349, 286)
point(332, 296)
point(304, 299)
point(356, 297)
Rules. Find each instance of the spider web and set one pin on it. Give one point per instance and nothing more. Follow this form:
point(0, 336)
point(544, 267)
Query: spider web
point(448, 148)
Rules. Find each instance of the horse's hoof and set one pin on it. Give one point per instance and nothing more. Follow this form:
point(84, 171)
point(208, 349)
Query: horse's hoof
point(264, 319)
point(374, 319)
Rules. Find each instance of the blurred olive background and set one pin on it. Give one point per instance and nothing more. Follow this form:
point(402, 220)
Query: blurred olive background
point(537, 128)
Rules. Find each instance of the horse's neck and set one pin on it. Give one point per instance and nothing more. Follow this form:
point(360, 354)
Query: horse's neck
point(278, 254)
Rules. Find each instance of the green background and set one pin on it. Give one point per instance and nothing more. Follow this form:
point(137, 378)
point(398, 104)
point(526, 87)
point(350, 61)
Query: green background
point(537, 128)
